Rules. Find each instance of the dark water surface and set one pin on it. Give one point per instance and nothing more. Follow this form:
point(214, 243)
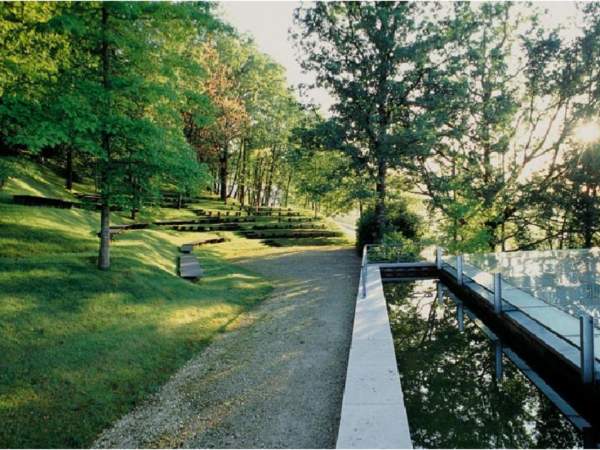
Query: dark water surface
point(455, 395)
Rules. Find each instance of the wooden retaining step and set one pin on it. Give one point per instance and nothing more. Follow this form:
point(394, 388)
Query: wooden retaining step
point(189, 267)
point(34, 200)
point(189, 247)
point(274, 234)
point(287, 226)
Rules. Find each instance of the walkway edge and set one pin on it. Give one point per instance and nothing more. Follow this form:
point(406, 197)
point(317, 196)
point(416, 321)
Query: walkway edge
point(373, 412)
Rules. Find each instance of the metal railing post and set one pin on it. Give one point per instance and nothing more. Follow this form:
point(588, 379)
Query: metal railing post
point(459, 270)
point(438, 258)
point(586, 330)
point(365, 261)
point(497, 293)
point(440, 293)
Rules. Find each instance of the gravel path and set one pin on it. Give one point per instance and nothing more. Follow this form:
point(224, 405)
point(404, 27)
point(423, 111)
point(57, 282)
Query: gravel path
point(276, 380)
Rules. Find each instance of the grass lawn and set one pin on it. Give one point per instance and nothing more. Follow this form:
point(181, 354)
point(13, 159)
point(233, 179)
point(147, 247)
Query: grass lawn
point(80, 347)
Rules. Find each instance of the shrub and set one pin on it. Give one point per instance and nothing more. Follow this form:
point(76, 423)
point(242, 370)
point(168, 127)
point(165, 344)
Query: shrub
point(398, 220)
point(396, 248)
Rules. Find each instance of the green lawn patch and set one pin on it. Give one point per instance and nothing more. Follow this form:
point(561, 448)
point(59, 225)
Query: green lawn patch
point(29, 178)
point(81, 347)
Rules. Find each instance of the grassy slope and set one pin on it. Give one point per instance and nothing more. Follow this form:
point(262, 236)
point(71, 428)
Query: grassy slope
point(81, 347)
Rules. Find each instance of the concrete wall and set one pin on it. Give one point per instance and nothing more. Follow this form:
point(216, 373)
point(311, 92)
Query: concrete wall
point(373, 412)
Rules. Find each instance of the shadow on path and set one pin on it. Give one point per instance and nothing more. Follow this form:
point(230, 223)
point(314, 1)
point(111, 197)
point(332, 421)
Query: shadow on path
point(275, 381)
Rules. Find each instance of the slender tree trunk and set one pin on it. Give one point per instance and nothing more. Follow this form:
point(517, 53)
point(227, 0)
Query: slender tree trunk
point(104, 253)
point(104, 256)
point(223, 161)
point(454, 219)
point(236, 176)
point(69, 174)
point(269, 186)
point(243, 175)
point(380, 200)
point(287, 190)
point(215, 184)
point(258, 175)
point(561, 240)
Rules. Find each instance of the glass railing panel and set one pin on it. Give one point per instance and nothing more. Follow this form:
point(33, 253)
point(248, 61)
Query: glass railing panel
point(566, 279)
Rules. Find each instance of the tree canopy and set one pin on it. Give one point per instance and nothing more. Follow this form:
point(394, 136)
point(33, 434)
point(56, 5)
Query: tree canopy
point(476, 105)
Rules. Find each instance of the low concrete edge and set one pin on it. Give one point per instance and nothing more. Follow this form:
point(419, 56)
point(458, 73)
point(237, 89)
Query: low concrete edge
point(373, 412)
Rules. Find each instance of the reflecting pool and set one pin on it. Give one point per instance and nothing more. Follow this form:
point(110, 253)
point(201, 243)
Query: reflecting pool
point(456, 393)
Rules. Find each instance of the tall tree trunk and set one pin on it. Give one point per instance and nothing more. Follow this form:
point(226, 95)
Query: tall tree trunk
point(380, 200)
point(243, 175)
point(104, 255)
point(69, 174)
point(215, 184)
point(287, 190)
point(269, 186)
point(223, 161)
point(258, 175)
point(104, 252)
point(233, 187)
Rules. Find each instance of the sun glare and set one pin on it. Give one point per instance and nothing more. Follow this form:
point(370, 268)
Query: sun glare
point(588, 133)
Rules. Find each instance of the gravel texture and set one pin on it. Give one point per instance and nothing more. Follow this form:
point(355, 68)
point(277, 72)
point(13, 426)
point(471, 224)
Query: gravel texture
point(276, 380)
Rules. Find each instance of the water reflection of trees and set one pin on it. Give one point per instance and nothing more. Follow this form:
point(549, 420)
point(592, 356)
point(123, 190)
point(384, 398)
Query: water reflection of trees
point(448, 379)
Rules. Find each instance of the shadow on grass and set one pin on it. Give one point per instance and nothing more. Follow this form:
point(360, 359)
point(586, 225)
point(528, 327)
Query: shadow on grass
point(81, 346)
point(18, 241)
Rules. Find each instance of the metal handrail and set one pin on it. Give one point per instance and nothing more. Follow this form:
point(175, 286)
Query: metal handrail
point(586, 322)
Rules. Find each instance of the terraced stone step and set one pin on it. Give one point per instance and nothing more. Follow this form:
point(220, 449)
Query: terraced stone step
point(189, 247)
point(249, 212)
point(247, 227)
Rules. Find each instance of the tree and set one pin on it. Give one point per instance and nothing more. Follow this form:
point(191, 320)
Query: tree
point(117, 97)
point(511, 121)
point(375, 59)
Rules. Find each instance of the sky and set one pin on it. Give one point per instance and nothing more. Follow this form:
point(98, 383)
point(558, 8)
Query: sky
point(269, 24)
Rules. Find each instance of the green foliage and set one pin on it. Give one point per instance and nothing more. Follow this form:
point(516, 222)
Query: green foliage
point(114, 93)
point(395, 247)
point(380, 61)
point(322, 178)
point(401, 225)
